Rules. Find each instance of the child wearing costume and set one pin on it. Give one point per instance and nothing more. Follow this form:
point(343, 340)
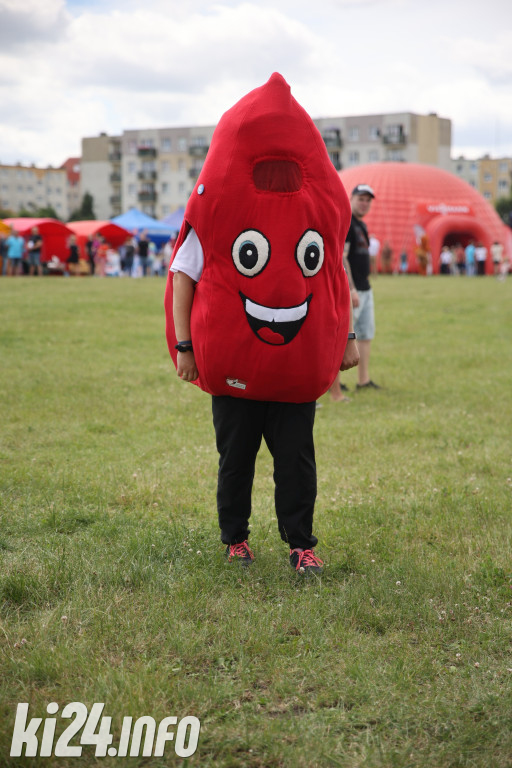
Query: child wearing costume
point(258, 309)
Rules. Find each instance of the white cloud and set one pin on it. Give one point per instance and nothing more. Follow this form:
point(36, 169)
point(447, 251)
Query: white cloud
point(68, 71)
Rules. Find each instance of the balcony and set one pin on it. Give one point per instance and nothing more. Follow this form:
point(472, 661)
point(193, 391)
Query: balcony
point(147, 175)
point(115, 178)
point(115, 199)
point(332, 138)
point(146, 151)
point(198, 150)
point(394, 138)
point(194, 172)
point(115, 157)
point(147, 197)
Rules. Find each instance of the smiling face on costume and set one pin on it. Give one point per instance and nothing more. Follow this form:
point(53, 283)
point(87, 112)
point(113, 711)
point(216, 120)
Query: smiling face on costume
point(251, 253)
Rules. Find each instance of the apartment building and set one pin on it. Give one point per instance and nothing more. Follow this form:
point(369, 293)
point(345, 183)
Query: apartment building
point(492, 177)
point(156, 168)
point(399, 137)
point(29, 188)
point(101, 174)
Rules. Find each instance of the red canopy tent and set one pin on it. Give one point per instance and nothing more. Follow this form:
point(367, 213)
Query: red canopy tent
point(413, 199)
point(54, 233)
point(113, 233)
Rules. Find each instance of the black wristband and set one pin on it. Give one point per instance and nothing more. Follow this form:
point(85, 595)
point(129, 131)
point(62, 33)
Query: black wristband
point(183, 346)
point(352, 336)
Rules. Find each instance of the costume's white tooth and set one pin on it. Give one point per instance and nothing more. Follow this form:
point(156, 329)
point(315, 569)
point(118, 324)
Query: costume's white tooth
point(277, 315)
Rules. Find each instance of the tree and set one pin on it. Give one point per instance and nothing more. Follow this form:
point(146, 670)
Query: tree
point(503, 206)
point(86, 210)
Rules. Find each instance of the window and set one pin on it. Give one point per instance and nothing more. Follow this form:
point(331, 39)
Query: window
point(146, 143)
point(181, 165)
point(131, 167)
point(132, 147)
point(460, 168)
point(503, 167)
point(182, 145)
point(353, 157)
point(473, 168)
point(503, 185)
point(166, 145)
point(487, 195)
point(395, 155)
point(165, 166)
point(487, 177)
point(165, 186)
point(373, 132)
point(353, 133)
point(373, 156)
point(181, 187)
point(131, 189)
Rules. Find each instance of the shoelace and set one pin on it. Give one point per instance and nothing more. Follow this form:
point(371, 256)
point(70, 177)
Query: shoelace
point(307, 557)
point(240, 550)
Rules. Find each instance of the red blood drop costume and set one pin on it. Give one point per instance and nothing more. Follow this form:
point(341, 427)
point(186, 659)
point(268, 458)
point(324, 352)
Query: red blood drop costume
point(271, 309)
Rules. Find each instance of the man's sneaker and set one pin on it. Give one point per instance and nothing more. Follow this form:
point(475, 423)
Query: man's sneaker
point(305, 561)
point(240, 552)
point(369, 384)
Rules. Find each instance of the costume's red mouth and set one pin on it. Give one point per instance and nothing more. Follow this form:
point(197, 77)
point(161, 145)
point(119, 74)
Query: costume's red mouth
point(275, 325)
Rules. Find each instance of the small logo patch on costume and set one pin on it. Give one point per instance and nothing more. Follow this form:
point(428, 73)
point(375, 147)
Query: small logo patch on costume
point(237, 383)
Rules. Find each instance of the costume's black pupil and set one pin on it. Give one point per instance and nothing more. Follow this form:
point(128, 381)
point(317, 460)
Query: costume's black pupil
point(312, 256)
point(248, 255)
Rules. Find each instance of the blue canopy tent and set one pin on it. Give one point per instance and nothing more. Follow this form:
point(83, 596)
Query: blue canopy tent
point(136, 222)
point(175, 219)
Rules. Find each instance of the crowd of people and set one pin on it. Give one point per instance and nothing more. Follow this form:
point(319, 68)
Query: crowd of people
point(138, 256)
point(471, 260)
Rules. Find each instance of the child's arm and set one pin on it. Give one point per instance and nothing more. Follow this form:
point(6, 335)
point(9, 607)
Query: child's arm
point(183, 296)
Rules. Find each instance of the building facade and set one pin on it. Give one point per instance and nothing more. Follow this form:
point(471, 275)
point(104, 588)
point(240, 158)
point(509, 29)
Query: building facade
point(492, 177)
point(27, 188)
point(398, 137)
point(155, 169)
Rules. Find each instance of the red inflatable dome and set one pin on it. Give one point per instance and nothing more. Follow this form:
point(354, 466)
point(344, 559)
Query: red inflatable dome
point(412, 200)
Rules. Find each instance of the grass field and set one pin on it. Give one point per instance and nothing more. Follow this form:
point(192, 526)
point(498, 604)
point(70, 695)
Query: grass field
point(113, 584)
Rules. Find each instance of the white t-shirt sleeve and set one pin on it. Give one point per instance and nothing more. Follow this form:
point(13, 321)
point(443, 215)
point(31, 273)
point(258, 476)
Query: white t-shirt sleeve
point(189, 258)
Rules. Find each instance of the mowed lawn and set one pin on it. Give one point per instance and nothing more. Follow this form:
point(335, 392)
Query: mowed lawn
point(113, 583)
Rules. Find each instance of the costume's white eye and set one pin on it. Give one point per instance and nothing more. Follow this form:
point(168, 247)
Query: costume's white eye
point(251, 252)
point(310, 253)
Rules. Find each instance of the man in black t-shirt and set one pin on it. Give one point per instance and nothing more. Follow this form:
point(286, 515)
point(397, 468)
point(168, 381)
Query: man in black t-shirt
point(356, 259)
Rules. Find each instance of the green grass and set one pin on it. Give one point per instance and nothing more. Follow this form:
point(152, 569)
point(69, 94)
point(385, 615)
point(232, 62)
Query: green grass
point(113, 585)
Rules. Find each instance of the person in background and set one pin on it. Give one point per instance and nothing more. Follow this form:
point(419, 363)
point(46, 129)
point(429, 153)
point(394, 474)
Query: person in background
point(497, 256)
point(445, 260)
point(129, 255)
point(469, 253)
point(480, 258)
point(34, 248)
point(15, 246)
point(460, 259)
point(73, 255)
point(143, 251)
point(386, 258)
point(356, 258)
point(100, 256)
point(90, 249)
point(374, 253)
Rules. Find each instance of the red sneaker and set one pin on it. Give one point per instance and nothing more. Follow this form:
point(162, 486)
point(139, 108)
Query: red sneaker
point(240, 551)
point(305, 561)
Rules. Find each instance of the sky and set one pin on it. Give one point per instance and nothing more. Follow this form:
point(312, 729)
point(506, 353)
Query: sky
point(74, 68)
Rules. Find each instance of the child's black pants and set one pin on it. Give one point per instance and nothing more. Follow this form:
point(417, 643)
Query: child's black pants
point(288, 432)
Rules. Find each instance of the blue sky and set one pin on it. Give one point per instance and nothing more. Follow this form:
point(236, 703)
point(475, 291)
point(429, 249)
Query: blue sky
point(74, 68)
